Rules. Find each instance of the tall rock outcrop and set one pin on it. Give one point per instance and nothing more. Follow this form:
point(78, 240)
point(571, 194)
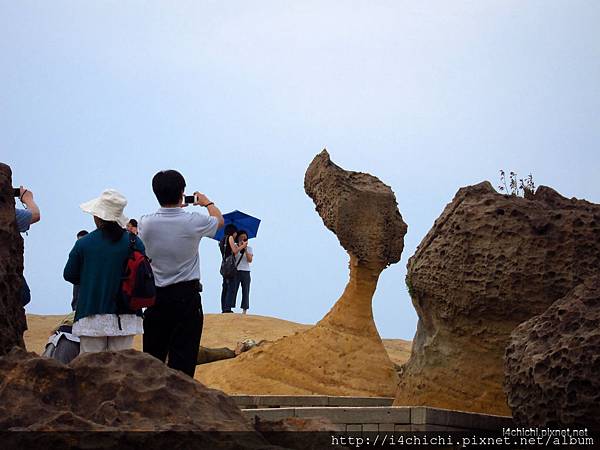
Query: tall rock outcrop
point(116, 392)
point(489, 263)
point(12, 316)
point(343, 353)
point(553, 363)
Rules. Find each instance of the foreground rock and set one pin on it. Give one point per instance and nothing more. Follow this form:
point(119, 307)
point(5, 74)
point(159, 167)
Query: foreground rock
point(489, 263)
point(108, 391)
point(343, 353)
point(12, 315)
point(553, 363)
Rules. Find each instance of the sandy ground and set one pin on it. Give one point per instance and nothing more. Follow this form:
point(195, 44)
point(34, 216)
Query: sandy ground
point(220, 330)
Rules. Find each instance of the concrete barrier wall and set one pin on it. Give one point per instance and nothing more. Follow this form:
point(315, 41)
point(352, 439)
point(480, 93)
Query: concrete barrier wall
point(388, 418)
point(283, 401)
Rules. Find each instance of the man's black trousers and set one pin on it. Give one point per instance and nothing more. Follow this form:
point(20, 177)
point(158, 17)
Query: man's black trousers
point(173, 326)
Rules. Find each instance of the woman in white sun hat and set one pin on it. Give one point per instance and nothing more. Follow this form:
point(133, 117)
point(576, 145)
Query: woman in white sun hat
point(96, 264)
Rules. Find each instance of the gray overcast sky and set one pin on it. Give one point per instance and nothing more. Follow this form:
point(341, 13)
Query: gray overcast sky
point(239, 96)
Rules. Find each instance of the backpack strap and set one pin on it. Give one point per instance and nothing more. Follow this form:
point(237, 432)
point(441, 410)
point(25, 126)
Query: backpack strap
point(225, 243)
point(239, 260)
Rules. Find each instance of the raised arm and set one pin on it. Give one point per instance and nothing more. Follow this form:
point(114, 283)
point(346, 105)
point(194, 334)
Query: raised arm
point(202, 200)
point(29, 202)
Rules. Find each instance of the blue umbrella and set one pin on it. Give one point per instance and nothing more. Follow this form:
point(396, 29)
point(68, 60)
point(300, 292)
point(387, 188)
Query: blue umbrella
point(242, 221)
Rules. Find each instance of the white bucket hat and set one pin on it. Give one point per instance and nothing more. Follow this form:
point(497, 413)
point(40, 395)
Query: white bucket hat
point(109, 206)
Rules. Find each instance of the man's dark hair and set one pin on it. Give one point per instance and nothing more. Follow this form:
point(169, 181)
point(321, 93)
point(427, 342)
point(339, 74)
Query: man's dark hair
point(133, 222)
point(168, 185)
point(230, 229)
point(240, 232)
point(82, 233)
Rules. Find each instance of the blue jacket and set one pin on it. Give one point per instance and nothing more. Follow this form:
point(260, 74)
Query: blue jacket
point(96, 265)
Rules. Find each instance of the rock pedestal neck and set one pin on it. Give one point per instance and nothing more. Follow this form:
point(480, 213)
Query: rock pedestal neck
point(343, 353)
point(12, 316)
point(489, 263)
point(553, 363)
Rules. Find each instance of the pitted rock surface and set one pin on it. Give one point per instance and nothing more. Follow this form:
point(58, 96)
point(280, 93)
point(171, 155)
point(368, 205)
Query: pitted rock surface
point(117, 391)
point(553, 363)
point(343, 353)
point(360, 210)
point(490, 262)
point(12, 315)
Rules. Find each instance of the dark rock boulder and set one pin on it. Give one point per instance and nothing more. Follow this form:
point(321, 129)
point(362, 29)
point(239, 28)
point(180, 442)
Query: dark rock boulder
point(489, 263)
point(118, 392)
point(12, 315)
point(553, 363)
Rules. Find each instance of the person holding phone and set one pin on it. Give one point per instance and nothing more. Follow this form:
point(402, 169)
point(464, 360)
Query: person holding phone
point(25, 218)
point(246, 255)
point(173, 326)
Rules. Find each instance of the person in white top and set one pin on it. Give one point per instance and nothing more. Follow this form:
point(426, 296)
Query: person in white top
point(245, 255)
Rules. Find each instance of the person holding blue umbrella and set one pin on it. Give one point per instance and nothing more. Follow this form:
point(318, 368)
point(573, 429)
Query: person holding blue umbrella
point(227, 247)
point(246, 255)
point(228, 244)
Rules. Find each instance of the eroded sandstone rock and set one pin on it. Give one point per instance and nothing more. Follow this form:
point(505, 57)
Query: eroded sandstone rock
point(343, 353)
point(489, 263)
point(116, 391)
point(12, 315)
point(552, 363)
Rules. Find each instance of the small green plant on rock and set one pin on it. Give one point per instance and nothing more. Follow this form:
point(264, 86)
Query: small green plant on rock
point(515, 186)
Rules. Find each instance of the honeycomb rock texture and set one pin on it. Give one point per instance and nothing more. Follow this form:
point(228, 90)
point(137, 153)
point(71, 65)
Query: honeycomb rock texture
point(343, 353)
point(489, 263)
point(360, 210)
point(553, 363)
point(12, 315)
point(114, 391)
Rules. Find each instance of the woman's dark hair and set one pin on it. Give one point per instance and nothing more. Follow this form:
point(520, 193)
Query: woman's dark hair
point(230, 229)
point(240, 232)
point(168, 186)
point(111, 230)
point(82, 233)
point(133, 222)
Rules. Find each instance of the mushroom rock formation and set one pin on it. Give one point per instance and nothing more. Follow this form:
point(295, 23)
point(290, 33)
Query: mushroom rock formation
point(489, 263)
point(116, 391)
point(343, 353)
point(553, 363)
point(12, 316)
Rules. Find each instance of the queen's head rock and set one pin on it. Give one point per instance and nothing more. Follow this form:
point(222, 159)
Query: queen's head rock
point(489, 263)
point(343, 353)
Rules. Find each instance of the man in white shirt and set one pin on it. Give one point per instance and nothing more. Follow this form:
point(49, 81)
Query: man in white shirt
point(173, 326)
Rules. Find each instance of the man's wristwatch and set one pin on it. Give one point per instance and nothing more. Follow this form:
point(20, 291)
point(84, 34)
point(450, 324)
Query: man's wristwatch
point(208, 204)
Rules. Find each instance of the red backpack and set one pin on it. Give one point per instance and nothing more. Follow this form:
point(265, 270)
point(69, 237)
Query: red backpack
point(137, 283)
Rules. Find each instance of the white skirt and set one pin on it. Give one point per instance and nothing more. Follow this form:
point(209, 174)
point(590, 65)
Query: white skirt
point(108, 325)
